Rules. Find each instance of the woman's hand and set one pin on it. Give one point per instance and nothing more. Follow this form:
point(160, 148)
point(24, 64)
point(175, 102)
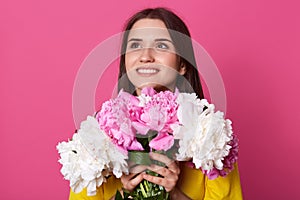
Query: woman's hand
point(170, 173)
point(130, 181)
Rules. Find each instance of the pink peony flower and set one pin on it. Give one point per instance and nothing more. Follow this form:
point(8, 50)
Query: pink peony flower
point(125, 116)
point(163, 141)
point(114, 120)
point(158, 113)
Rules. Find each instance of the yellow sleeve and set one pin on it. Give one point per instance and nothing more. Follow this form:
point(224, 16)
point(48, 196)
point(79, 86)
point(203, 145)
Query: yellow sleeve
point(191, 182)
point(197, 186)
point(106, 191)
point(224, 188)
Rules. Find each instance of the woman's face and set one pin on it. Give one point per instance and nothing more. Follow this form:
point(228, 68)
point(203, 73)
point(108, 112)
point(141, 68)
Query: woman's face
point(150, 57)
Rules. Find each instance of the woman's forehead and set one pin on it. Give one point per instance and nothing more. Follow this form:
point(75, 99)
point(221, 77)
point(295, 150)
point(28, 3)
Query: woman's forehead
point(146, 22)
point(149, 28)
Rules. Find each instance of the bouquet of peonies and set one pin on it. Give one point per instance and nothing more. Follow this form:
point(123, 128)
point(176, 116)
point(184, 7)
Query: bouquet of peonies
point(127, 127)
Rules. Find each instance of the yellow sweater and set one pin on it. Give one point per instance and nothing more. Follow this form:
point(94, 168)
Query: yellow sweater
point(192, 182)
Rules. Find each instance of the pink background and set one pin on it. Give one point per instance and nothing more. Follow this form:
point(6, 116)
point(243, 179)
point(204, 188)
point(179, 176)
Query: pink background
point(255, 45)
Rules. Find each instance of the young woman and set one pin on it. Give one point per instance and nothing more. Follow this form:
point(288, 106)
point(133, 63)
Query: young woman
point(157, 52)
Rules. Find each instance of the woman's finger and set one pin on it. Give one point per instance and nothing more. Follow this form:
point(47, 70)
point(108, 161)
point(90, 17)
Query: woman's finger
point(131, 184)
point(160, 157)
point(160, 170)
point(137, 169)
point(173, 166)
point(168, 184)
point(130, 181)
point(170, 164)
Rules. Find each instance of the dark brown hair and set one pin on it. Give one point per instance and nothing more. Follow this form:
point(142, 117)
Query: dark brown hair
point(190, 81)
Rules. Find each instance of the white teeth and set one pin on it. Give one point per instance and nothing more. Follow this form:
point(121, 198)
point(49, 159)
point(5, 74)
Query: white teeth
point(147, 71)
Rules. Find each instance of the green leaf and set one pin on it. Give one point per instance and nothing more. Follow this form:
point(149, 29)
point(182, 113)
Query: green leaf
point(118, 196)
point(126, 194)
point(171, 153)
point(139, 157)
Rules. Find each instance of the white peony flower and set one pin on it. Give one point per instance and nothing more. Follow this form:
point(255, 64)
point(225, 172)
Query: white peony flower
point(89, 157)
point(77, 164)
point(203, 134)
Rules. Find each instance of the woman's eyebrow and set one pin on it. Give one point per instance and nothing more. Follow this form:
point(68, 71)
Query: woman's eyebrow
point(134, 39)
point(163, 39)
point(156, 40)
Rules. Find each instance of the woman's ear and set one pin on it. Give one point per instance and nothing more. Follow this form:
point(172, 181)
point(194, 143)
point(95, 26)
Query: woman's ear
point(182, 68)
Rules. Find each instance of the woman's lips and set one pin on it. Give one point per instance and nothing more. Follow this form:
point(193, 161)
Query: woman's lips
point(147, 71)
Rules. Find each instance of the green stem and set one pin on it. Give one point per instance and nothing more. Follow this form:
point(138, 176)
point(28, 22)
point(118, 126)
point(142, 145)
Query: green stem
point(143, 190)
point(146, 185)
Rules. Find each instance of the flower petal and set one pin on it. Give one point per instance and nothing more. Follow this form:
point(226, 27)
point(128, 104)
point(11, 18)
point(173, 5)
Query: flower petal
point(163, 141)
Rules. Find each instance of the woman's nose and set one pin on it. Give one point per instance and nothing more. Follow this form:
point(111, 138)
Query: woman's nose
point(147, 55)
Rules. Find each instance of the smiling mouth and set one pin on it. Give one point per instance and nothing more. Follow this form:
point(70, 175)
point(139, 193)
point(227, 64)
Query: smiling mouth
point(147, 71)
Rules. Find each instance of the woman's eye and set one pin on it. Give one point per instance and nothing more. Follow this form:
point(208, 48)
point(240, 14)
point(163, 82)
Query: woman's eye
point(135, 45)
point(162, 46)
